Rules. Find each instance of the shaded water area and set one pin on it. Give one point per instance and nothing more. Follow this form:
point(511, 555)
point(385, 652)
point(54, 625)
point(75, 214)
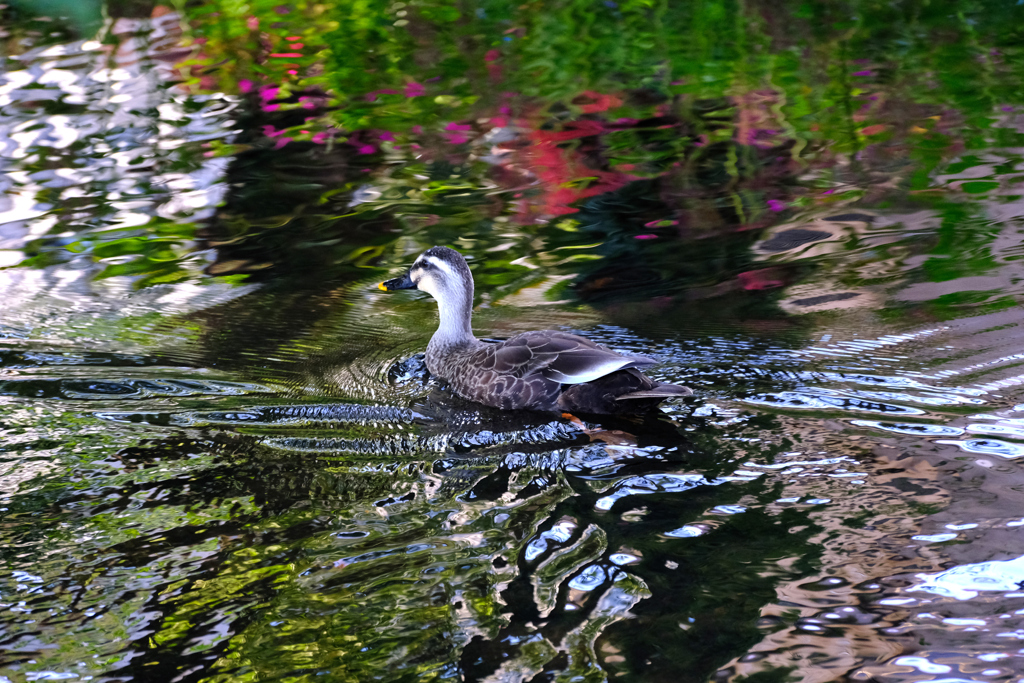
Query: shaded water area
point(222, 457)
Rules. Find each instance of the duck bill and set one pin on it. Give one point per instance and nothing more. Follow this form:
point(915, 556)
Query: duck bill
point(404, 282)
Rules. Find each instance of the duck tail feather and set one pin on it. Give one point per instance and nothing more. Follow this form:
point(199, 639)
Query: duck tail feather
point(660, 391)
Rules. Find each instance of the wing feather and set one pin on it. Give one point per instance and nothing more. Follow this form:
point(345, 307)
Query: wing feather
point(512, 359)
point(584, 366)
point(561, 357)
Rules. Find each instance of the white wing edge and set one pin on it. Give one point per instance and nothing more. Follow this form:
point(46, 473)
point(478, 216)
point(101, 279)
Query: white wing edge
point(592, 372)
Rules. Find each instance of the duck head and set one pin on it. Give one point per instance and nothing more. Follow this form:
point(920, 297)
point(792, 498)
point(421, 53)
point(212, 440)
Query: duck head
point(443, 274)
point(440, 272)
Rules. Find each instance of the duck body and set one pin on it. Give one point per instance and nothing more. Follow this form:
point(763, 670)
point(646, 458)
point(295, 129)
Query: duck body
point(541, 370)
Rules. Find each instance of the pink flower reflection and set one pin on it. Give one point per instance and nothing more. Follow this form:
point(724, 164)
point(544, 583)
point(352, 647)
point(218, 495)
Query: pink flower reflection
point(766, 278)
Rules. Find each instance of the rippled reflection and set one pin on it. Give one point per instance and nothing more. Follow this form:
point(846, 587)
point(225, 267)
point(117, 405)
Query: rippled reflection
point(524, 538)
point(222, 457)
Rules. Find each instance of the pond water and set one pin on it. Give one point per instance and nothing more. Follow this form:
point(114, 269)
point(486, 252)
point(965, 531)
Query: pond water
point(222, 458)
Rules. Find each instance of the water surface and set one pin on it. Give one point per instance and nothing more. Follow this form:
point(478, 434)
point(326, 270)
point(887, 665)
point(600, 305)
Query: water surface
point(223, 459)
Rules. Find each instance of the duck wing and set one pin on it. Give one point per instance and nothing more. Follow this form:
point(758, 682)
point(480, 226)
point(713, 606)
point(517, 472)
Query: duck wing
point(560, 357)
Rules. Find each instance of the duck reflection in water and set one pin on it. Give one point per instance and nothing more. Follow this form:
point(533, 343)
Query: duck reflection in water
point(544, 370)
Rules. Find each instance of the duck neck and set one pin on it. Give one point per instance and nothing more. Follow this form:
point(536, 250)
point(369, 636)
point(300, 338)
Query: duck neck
point(455, 326)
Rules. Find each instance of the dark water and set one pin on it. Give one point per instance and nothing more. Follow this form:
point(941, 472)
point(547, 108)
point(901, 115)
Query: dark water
point(222, 458)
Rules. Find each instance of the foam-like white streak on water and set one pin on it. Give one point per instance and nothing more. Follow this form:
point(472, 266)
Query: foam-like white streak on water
point(1001, 428)
point(1003, 449)
point(967, 581)
point(664, 483)
point(914, 429)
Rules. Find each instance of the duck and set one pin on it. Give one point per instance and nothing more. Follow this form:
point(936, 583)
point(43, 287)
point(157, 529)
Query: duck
point(543, 370)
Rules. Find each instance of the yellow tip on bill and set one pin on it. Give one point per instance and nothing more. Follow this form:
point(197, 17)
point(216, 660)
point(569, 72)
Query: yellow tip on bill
point(381, 287)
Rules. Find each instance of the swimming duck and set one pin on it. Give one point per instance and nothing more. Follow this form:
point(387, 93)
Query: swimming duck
point(544, 370)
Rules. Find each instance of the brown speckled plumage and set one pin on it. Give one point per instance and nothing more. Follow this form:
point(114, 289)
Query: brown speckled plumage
point(543, 370)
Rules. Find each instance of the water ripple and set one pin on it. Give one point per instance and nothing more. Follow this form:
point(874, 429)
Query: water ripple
point(825, 400)
point(126, 388)
point(1005, 428)
point(912, 428)
point(1003, 449)
point(967, 581)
